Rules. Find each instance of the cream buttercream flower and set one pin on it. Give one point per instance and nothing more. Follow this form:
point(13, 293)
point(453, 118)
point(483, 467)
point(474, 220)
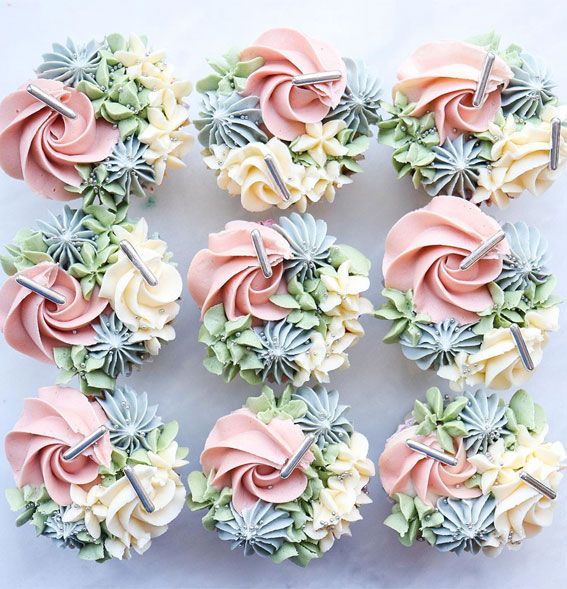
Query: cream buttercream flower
point(87, 506)
point(320, 141)
point(343, 292)
point(321, 182)
point(215, 160)
point(352, 460)
point(127, 521)
point(461, 373)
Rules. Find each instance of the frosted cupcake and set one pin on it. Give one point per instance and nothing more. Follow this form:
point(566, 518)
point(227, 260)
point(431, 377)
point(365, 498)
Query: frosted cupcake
point(102, 121)
point(286, 121)
point(283, 477)
point(484, 324)
point(488, 143)
point(92, 293)
point(473, 473)
point(280, 302)
point(98, 475)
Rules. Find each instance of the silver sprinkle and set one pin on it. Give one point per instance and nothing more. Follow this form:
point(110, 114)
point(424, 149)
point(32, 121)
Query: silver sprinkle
point(432, 452)
point(538, 485)
point(482, 250)
point(294, 460)
point(137, 262)
point(484, 75)
point(261, 254)
point(522, 347)
point(40, 289)
point(276, 177)
point(316, 78)
point(85, 443)
point(139, 489)
point(51, 101)
point(555, 141)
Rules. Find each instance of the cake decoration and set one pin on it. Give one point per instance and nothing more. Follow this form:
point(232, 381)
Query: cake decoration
point(76, 298)
point(474, 319)
point(98, 475)
point(475, 120)
point(102, 121)
point(283, 477)
point(472, 473)
point(280, 302)
point(286, 121)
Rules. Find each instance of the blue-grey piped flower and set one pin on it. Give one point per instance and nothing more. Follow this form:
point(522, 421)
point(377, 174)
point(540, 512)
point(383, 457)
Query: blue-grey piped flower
point(527, 261)
point(324, 417)
point(260, 529)
point(485, 418)
point(64, 534)
point(309, 243)
point(281, 343)
point(360, 104)
point(529, 90)
point(130, 417)
point(230, 120)
point(456, 168)
point(114, 346)
point(65, 235)
point(70, 63)
point(468, 524)
point(126, 165)
point(439, 343)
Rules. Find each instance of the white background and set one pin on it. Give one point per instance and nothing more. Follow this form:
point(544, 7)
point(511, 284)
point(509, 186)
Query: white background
point(380, 385)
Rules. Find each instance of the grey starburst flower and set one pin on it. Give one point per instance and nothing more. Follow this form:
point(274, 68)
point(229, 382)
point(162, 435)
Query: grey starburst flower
point(527, 261)
point(309, 243)
point(131, 418)
point(126, 165)
point(260, 529)
point(114, 346)
point(229, 120)
point(455, 168)
point(64, 534)
point(281, 343)
point(485, 418)
point(439, 343)
point(360, 104)
point(70, 63)
point(324, 417)
point(468, 524)
point(529, 90)
point(65, 236)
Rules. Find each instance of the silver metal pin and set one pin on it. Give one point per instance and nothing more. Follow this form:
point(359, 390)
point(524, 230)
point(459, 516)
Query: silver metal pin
point(139, 489)
point(555, 141)
point(51, 101)
point(137, 262)
point(87, 442)
point(258, 243)
point(522, 347)
point(538, 485)
point(438, 455)
point(482, 250)
point(294, 460)
point(40, 289)
point(316, 78)
point(484, 75)
point(276, 177)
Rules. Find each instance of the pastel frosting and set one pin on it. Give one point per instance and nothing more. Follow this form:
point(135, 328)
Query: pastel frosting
point(442, 77)
point(35, 326)
point(57, 419)
point(424, 250)
point(229, 272)
point(42, 147)
point(287, 53)
point(403, 470)
point(247, 455)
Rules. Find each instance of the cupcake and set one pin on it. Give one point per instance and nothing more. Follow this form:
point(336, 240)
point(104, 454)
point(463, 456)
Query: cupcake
point(98, 475)
point(102, 121)
point(286, 121)
point(283, 477)
point(487, 143)
point(280, 302)
point(472, 473)
point(92, 293)
point(480, 324)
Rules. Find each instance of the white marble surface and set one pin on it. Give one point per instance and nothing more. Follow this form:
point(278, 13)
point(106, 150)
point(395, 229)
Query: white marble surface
point(380, 385)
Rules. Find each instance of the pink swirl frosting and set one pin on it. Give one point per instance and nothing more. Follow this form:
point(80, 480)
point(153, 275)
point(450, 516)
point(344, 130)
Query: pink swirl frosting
point(42, 147)
point(247, 455)
point(403, 470)
point(55, 421)
point(229, 272)
point(424, 250)
point(287, 108)
point(35, 326)
point(442, 77)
